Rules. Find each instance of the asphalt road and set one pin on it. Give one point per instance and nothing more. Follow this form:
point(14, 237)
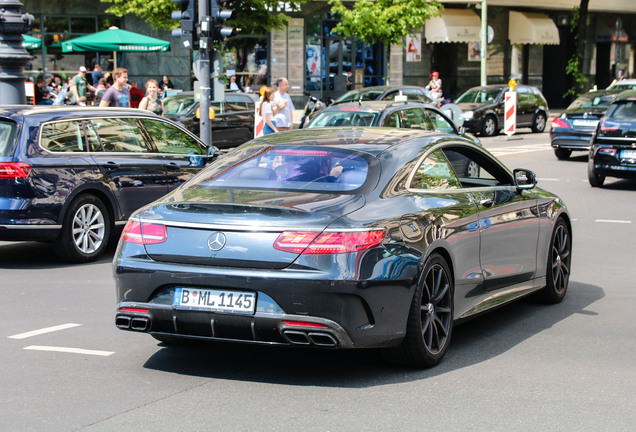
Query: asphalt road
point(525, 367)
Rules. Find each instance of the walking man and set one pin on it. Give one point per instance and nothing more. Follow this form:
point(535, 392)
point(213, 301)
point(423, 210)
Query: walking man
point(81, 85)
point(118, 94)
point(284, 104)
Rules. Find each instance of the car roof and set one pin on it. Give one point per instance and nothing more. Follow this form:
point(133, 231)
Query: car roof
point(374, 105)
point(626, 95)
point(47, 112)
point(372, 140)
point(190, 93)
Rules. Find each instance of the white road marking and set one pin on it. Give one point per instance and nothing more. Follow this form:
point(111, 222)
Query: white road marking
point(503, 151)
point(549, 179)
point(613, 221)
point(69, 350)
point(44, 330)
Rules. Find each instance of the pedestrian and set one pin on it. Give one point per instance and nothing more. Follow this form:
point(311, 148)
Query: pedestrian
point(136, 94)
point(165, 85)
point(81, 85)
point(42, 94)
point(266, 110)
point(97, 74)
point(435, 87)
point(284, 104)
point(152, 102)
point(235, 85)
point(118, 94)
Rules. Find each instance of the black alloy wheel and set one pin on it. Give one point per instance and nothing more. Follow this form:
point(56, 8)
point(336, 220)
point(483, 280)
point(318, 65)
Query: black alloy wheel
point(85, 230)
point(559, 259)
point(489, 126)
point(430, 321)
point(562, 154)
point(538, 124)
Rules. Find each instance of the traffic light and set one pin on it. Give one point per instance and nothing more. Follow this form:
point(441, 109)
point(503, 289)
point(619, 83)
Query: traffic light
point(219, 31)
point(188, 18)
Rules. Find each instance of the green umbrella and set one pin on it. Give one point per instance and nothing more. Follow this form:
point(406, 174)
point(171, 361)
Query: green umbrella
point(31, 42)
point(115, 40)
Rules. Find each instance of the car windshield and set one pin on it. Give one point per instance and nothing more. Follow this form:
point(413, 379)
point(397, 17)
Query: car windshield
point(593, 101)
point(7, 137)
point(344, 117)
point(288, 167)
point(360, 95)
point(480, 95)
point(178, 105)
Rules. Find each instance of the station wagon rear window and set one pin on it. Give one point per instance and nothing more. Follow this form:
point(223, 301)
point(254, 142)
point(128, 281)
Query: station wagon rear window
point(289, 168)
point(8, 130)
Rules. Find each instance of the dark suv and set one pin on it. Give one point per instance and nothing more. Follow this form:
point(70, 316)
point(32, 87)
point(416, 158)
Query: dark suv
point(613, 150)
point(233, 122)
point(70, 175)
point(483, 108)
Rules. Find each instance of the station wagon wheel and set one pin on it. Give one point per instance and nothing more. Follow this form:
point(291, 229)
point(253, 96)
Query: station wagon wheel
point(538, 125)
point(489, 126)
point(559, 259)
point(430, 321)
point(595, 179)
point(85, 230)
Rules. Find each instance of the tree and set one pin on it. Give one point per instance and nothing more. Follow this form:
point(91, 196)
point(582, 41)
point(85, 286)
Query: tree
point(388, 21)
point(251, 16)
point(574, 67)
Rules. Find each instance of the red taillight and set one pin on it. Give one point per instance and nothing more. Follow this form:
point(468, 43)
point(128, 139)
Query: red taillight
point(607, 151)
point(14, 170)
point(312, 243)
point(136, 310)
point(304, 324)
point(608, 125)
point(558, 123)
point(144, 233)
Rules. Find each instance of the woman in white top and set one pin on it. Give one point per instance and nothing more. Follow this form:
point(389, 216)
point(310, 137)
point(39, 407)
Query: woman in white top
point(151, 101)
point(267, 111)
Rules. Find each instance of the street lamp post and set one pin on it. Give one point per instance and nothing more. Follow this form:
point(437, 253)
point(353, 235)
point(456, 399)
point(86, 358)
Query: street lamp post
point(13, 56)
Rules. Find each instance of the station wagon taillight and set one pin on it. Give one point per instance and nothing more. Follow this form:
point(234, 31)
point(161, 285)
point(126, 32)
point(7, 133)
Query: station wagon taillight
point(144, 233)
point(14, 170)
point(313, 243)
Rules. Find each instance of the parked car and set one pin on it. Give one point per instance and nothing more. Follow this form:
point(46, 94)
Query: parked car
point(573, 130)
point(341, 238)
point(625, 84)
point(233, 122)
point(385, 93)
point(613, 150)
point(70, 175)
point(483, 108)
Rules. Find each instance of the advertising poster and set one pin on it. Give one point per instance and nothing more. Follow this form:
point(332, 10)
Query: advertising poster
point(414, 47)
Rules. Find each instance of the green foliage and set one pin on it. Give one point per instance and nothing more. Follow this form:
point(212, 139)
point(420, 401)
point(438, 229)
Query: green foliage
point(388, 21)
point(574, 68)
point(251, 16)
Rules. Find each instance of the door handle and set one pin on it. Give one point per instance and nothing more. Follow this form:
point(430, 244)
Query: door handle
point(172, 166)
point(110, 165)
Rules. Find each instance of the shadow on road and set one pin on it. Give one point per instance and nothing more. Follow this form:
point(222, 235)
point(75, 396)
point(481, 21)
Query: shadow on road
point(36, 255)
point(478, 340)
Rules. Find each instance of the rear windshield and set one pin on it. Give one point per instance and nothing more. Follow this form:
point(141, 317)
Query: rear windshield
point(593, 101)
point(344, 118)
point(624, 110)
point(178, 105)
point(480, 96)
point(8, 130)
point(288, 168)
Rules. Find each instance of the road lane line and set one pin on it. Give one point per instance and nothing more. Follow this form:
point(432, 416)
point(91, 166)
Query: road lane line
point(613, 221)
point(44, 330)
point(69, 350)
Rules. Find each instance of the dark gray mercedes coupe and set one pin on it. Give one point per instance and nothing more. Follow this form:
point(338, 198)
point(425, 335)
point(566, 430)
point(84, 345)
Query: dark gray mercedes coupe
point(342, 238)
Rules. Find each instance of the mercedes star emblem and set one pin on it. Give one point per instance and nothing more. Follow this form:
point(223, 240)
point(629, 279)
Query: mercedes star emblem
point(216, 241)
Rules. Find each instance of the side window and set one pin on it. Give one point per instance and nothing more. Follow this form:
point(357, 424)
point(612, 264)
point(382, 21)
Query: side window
point(392, 120)
point(435, 172)
point(389, 96)
point(119, 135)
point(413, 94)
point(440, 123)
point(475, 169)
point(63, 137)
point(413, 118)
point(170, 139)
point(235, 103)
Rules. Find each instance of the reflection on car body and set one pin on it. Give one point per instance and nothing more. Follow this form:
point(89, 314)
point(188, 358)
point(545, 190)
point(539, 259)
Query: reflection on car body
point(341, 238)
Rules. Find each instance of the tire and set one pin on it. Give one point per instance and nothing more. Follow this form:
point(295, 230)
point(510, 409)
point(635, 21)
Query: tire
point(538, 124)
point(559, 259)
point(430, 321)
point(595, 179)
point(472, 170)
point(85, 230)
point(562, 154)
point(489, 126)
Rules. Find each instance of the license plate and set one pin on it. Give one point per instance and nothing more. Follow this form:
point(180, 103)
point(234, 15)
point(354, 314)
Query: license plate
point(628, 154)
point(589, 123)
point(215, 300)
